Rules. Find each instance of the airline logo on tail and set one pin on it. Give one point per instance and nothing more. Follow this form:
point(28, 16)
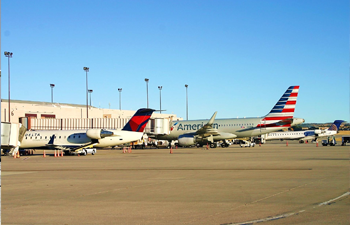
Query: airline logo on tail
point(283, 110)
point(139, 121)
point(336, 124)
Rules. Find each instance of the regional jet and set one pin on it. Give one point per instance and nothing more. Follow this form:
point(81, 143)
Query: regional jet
point(191, 132)
point(74, 140)
point(305, 135)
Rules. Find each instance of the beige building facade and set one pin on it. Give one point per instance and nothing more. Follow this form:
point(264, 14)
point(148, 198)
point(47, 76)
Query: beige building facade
point(35, 115)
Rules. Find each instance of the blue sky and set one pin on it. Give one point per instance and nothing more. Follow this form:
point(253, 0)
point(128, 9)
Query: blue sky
point(238, 57)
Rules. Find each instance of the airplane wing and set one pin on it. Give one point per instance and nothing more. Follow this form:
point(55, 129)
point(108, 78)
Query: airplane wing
point(208, 130)
point(94, 135)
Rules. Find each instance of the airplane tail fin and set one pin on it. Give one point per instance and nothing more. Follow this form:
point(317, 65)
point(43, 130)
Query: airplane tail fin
point(52, 139)
point(284, 108)
point(336, 124)
point(139, 120)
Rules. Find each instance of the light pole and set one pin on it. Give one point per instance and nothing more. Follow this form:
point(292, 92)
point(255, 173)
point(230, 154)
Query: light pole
point(9, 55)
point(86, 69)
point(146, 79)
point(160, 98)
point(90, 91)
point(52, 86)
point(120, 98)
point(186, 102)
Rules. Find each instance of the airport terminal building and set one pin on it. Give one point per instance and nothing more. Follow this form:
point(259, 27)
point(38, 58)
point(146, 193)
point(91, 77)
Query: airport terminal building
point(46, 115)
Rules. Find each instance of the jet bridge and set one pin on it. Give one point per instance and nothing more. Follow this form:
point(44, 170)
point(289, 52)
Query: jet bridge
point(11, 137)
point(159, 126)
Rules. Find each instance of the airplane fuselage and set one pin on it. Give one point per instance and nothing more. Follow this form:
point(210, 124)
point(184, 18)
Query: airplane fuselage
point(290, 135)
point(68, 138)
point(240, 127)
point(299, 135)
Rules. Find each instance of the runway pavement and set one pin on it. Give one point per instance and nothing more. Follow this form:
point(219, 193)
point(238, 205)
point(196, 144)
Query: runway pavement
point(271, 184)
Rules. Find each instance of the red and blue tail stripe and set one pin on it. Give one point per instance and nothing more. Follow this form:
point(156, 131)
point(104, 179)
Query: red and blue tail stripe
point(139, 121)
point(283, 110)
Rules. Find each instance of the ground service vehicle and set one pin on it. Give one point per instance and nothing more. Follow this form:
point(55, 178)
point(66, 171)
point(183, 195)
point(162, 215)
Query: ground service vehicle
point(247, 144)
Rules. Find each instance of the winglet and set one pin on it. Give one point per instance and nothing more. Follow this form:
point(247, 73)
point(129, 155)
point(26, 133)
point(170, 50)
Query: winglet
point(51, 140)
point(211, 121)
point(138, 122)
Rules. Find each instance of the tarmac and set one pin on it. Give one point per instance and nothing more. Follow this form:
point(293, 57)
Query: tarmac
point(271, 184)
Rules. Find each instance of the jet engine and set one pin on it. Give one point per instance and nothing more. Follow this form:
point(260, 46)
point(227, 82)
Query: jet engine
point(186, 140)
point(320, 131)
point(98, 133)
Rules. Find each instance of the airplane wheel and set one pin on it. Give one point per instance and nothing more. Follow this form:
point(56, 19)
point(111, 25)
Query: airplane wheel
point(213, 145)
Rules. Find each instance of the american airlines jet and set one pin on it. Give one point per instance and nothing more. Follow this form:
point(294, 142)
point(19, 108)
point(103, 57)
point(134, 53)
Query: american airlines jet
point(305, 135)
point(74, 140)
point(190, 132)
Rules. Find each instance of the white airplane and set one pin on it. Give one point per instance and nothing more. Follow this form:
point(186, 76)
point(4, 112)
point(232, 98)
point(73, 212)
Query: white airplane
point(74, 140)
point(200, 132)
point(305, 135)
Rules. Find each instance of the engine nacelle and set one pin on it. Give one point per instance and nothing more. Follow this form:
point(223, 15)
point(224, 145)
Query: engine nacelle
point(319, 131)
point(98, 133)
point(186, 140)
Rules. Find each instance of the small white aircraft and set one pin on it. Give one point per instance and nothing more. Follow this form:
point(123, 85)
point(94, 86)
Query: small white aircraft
point(74, 140)
point(305, 135)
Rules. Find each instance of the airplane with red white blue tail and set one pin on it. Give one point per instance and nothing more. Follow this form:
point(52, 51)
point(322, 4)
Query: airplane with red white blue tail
point(71, 141)
point(200, 132)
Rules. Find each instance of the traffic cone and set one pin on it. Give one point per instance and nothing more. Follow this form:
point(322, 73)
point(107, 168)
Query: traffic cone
point(14, 155)
point(260, 144)
point(61, 153)
point(287, 143)
point(18, 154)
point(171, 150)
point(123, 149)
point(207, 146)
point(58, 153)
point(55, 154)
point(316, 143)
point(44, 155)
